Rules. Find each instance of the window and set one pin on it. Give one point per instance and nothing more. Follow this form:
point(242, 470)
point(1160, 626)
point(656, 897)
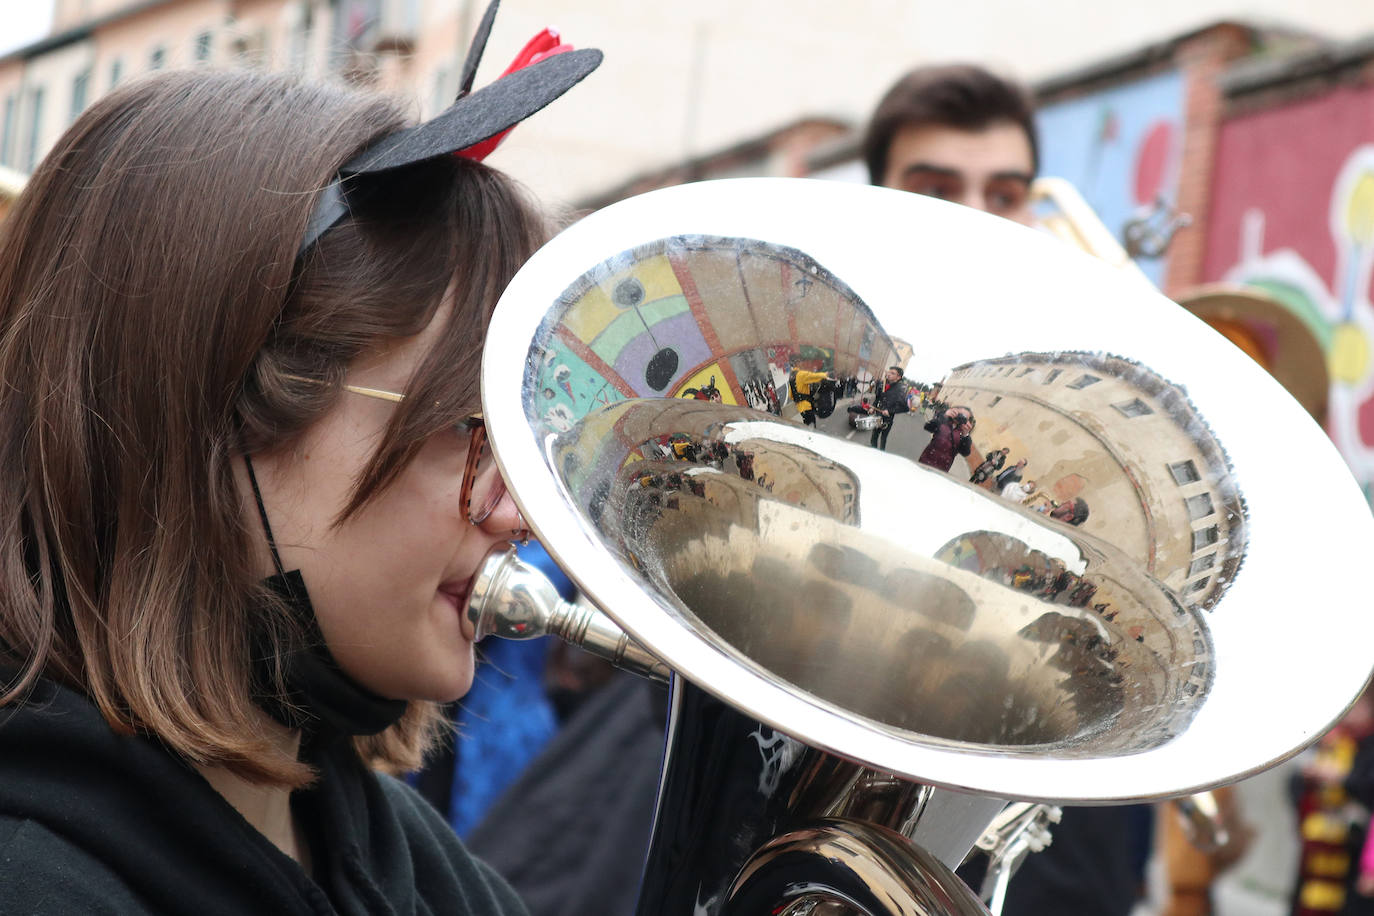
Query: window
point(7, 129)
point(1184, 472)
point(81, 85)
point(202, 50)
point(1083, 381)
point(1204, 537)
point(1199, 585)
point(1199, 506)
point(157, 59)
point(1054, 374)
point(35, 128)
point(1201, 563)
point(1134, 408)
point(116, 71)
point(995, 399)
point(1026, 371)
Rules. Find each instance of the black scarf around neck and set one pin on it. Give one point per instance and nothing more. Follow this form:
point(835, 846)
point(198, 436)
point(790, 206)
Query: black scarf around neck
point(321, 696)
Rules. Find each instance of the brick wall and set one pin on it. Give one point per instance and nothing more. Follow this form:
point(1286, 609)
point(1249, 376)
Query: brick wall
point(1203, 58)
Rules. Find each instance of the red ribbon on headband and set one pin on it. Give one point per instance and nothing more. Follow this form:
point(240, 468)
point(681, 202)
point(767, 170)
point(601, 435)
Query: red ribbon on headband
point(541, 47)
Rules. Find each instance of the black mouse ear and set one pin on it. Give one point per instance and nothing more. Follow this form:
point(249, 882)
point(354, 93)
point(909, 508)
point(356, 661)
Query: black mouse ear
point(471, 127)
point(477, 116)
point(475, 50)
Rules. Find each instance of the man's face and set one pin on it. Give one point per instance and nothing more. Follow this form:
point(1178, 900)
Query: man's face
point(893, 376)
point(989, 170)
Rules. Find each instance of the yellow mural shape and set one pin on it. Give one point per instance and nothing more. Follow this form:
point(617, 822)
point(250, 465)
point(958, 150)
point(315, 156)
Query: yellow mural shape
point(589, 315)
point(1359, 211)
point(703, 378)
point(1349, 357)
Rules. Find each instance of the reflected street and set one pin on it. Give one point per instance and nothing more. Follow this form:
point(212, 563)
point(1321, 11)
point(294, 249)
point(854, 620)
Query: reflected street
point(907, 436)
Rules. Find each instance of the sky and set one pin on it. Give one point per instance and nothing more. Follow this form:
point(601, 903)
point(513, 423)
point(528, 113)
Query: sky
point(23, 21)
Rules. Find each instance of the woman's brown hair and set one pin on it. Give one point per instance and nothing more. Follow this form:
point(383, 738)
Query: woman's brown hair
point(154, 324)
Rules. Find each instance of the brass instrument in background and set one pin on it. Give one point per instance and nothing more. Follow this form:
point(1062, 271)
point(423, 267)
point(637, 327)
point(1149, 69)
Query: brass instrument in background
point(1251, 318)
point(871, 654)
point(1063, 213)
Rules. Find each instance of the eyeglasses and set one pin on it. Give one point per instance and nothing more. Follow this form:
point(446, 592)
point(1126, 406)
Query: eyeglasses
point(483, 485)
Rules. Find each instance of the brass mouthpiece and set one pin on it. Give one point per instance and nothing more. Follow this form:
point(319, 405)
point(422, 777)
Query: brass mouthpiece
point(513, 600)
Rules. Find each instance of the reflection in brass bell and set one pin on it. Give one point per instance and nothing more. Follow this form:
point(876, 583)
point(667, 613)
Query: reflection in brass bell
point(1082, 556)
point(1119, 617)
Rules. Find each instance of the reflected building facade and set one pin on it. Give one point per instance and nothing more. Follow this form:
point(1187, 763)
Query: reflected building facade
point(1128, 441)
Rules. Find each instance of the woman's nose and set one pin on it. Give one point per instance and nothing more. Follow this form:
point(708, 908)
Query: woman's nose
point(505, 520)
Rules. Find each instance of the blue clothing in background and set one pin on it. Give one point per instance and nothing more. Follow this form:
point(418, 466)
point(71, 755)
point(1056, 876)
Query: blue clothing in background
point(503, 722)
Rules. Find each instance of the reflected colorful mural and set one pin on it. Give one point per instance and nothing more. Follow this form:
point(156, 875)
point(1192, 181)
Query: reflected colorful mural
point(718, 320)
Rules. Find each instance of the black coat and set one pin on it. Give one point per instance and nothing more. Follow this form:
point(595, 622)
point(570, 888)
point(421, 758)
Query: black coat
point(1094, 865)
point(97, 823)
point(586, 804)
point(893, 400)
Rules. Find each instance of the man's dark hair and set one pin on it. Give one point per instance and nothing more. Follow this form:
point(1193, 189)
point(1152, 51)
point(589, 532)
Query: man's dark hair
point(963, 96)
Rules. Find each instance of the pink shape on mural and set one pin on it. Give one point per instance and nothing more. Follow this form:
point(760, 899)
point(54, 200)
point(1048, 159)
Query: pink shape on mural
point(1367, 422)
point(1152, 161)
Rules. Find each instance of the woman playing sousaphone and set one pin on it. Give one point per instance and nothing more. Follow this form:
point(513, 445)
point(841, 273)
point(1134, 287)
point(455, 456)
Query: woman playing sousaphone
point(245, 491)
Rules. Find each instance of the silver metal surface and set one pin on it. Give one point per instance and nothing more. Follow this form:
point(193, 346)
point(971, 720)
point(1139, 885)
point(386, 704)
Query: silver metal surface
point(512, 600)
point(962, 644)
point(857, 866)
point(1018, 830)
point(1142, 640)
point(1203, 822)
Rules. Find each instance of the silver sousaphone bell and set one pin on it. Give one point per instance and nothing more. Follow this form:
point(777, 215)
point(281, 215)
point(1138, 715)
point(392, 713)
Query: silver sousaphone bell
point(871, 653)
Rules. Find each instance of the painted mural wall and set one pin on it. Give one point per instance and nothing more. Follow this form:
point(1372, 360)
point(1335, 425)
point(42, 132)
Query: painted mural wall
point(1293, 213)
point(705, 318)
point(1120, 148)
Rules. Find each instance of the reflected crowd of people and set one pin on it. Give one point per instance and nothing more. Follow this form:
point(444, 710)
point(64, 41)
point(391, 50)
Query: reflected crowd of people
point(951, 430)
point(760, 395)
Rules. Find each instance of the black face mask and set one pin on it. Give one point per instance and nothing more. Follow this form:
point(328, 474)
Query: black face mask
point(321, 697)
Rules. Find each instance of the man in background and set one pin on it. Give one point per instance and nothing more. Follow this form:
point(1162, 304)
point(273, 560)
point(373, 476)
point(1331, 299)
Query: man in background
point(959, 133)
point(803, 384)
point(891, 401)
point(963, 134)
